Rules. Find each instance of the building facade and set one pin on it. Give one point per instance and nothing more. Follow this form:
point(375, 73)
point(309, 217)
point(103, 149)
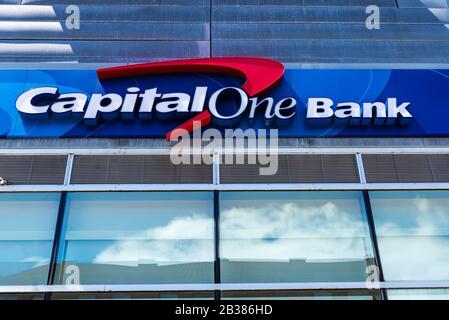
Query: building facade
point(355, 210)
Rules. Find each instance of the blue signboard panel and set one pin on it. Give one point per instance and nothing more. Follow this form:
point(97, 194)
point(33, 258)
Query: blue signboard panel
point(426, 93)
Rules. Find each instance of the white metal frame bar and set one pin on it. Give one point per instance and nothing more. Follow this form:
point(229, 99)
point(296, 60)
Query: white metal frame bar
point(166, 151)
point(68, 170)
point(360, 167)
point(216, 168)
point(227, 287)
point(225, 187)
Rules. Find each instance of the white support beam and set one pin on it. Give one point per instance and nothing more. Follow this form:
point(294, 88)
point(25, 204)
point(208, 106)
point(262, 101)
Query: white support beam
point(227, 287)
point(166, 151)
point(226, 187)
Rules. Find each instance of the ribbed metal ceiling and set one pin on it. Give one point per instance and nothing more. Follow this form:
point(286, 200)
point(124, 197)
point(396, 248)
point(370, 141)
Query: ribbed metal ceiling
point(136, 169)
point(38, 169)
point(296, 169)
point(298, 31)
point(159, 169)
point(413, 168)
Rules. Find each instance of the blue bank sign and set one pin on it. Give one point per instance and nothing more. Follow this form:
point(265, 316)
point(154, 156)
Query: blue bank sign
point(151, 100)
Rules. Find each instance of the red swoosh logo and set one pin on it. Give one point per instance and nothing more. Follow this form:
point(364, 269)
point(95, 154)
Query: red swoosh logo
point(259, 74)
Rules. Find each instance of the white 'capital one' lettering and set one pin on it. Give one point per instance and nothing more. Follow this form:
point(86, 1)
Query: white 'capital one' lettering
point(25, 103)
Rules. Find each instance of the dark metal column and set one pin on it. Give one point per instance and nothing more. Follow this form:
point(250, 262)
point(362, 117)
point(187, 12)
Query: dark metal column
point(372, 231)
point(56, 241)
point(217, 269)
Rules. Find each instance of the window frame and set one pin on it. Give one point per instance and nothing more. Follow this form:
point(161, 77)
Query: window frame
point(216, 187)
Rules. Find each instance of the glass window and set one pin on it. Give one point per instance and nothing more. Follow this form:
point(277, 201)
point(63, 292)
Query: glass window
point(137, 237)
point(27, 229)
point(413, 234)
point(302, 295)
point(22, 296)
point(418, 294)
point(294, 237)
point(156, 295)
